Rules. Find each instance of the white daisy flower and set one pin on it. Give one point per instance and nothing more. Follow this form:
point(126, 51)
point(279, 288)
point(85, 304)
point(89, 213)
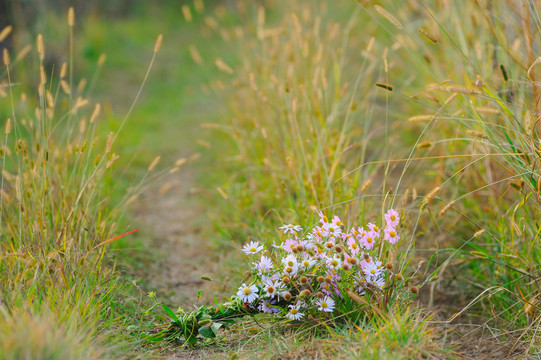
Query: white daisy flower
point(332, 229)
point(273, 288)
point(326, 304)
point(264, 265)
point(247, 293)
point(290, 260)
point(289, 228)
point(294, 312)
point(252, 248)
point(333, 263)
point(291, 270)
point(307, 263)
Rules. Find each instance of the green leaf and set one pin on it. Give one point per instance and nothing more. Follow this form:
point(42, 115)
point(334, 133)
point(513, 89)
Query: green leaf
point(171, 314)
point(215, 327)
point(206, 331)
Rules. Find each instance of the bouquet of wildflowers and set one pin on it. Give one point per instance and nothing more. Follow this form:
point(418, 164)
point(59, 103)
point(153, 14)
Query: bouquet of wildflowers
point(320, 272)
point(309, 273)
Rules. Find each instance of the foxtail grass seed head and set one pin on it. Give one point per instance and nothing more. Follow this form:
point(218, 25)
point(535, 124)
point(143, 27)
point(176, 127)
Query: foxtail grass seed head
point(206, 278)
point(63, 70)
point(65, 87)
point(5, 57)
point(446, 208)
point(195, 55)
point(462, 90)
point(428, 198)
point(101, 60)
point(479, 233)
point(389, 17)
point(5, 32)
point(222, 66)
point(199, 6)
point(42, 75)
point(154, 163)
point(109, 143)
point(186, 13)
point(421, 118)
point(95, 113)
point(8, 127)
point(40, 46)
point(158, 44)
point(71, 17)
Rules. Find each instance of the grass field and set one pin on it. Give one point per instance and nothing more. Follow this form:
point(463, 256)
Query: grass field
point(263, 114)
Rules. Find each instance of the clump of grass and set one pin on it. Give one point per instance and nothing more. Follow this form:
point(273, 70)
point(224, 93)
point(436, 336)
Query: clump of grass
point(24, 335)
point(56, 219)
point(475, 101)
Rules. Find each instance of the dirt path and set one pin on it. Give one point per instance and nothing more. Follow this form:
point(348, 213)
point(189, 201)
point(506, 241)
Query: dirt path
point(174, 221)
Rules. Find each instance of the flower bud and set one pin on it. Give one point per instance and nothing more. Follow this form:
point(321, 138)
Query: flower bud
point(328, 280)
point(338, 249)
point(286, 280)
point(398, 277)
point(414, 290)
point(389, 265)
point(320, 295)
point(300, 247)
point(320, 279)
point(303, 279)
point(352, 261)
point(305, 292)
point(287, 296)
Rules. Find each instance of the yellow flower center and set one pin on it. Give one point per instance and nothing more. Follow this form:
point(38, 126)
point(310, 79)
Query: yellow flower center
point(393, 218)
point(324, 305)
point(331, 229)
point(306, 263)
point(373, 271)
point(354, 245)
point(392, 233)
point(369, 240)
point(247, 291)
point(290, 226)
point(338, 223)
point(376, 228)
point(270, 289)
point(293, 311)
point(292, 246)
point(289, 270)
point(290, 263)
point(334, 262)
point(252, 249)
